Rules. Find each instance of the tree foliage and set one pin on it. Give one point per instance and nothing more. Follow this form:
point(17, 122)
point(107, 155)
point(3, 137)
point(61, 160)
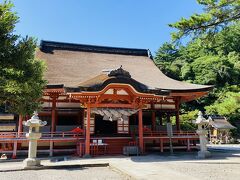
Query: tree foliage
point(21, 75)
point(217, 15)
point(212, 63)
point(227, 103)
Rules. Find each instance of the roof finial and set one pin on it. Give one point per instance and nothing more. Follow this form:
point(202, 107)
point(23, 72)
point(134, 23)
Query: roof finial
point(120, 72)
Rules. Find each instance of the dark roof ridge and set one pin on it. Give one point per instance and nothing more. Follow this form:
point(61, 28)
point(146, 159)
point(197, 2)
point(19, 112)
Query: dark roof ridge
point(49, 46)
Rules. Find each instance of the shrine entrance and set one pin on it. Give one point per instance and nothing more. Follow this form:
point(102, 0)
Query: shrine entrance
point(104, 127)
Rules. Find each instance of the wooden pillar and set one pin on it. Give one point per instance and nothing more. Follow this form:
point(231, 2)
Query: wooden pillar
point(53, 123)
point(87, 140)
point(140, 131)
point(161, 145)
point(177, 114)
point(168, 118)
point(56, 120)
point(79, 119)
point(20, 125)
point(177, 121)
point(153, 117)
point(153, 120)
point(160, 119)
point(51, 148)
point(14, 155)
point(19, 133)
point(135, 123)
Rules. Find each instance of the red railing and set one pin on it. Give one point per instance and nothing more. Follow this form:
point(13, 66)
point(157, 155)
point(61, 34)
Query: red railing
point(113, 145)
point(45, 135)
point(54, 135)
point(175, 133)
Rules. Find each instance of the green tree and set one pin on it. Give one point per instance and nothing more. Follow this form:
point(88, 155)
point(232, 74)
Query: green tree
point(217, 15)
point(21, 75)
point(205, 62)
point(228, 105)
point(212, 56)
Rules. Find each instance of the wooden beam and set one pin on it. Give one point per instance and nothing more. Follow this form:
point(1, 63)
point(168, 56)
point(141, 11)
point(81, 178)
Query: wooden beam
point(115, 97)
point(128, 88)
point(190, 98)
point(111, 105)
point(53, 91)
point(59, 100)
point(189, 94)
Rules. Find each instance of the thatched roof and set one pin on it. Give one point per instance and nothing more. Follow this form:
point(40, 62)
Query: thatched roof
point(73, 64)
point(220, 122)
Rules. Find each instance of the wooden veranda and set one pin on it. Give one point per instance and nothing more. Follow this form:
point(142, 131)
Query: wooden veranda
point(182, 140)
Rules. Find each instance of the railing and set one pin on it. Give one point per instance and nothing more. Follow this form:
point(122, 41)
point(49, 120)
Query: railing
point(45, 135)
point(54, 135)
point(61, 135)
point(9, 140)
point(8, 135)
point(175, 133)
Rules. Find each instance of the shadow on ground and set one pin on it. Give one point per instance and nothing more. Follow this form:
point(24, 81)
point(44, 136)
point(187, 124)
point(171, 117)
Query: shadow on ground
point(187, 156)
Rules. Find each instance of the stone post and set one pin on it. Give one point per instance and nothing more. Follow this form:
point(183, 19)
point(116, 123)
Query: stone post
point(202, 132)
point(33, 135)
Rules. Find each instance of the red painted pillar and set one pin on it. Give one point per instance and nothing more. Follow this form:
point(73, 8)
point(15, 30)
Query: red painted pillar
point(87, 144)
point(153, 120)
point(140, 130)
point(53, 123)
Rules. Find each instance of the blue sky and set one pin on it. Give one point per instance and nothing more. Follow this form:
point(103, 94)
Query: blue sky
point(123, 23)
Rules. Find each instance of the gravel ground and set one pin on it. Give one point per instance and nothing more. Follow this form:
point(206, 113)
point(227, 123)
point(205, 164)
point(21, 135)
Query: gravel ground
point(223, 165)
point(207, 170)
point(92, 173)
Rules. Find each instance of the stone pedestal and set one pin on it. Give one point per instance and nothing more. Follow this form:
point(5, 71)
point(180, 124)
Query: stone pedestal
point(203, 153)
point(31, 163)
point(34, 123)
point(202, 132)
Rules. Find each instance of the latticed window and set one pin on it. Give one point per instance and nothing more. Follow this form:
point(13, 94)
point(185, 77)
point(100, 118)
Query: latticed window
point(123, 126)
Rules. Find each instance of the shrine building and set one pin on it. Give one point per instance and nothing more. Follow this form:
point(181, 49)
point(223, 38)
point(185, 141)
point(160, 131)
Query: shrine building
point(100, 99)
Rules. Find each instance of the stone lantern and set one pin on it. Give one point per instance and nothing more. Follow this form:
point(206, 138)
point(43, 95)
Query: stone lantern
point(202, 132)
point(33, 135)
